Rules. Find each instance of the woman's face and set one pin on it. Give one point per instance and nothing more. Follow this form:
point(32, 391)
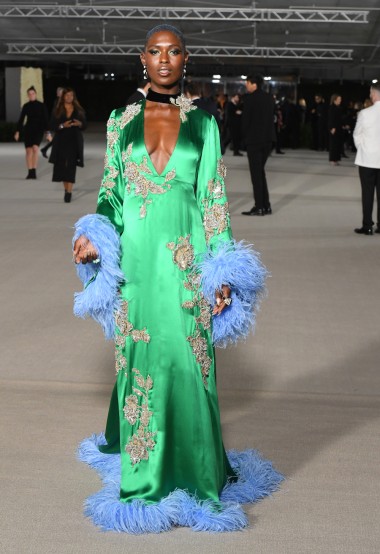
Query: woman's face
point(338, 101)
point(32, 95)
point(69, 97)
point(164, 58)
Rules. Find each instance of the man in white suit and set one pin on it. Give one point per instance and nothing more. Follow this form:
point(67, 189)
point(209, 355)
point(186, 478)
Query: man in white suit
point(367, 141)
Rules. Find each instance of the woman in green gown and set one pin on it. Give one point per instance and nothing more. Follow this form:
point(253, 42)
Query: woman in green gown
point(159, 264)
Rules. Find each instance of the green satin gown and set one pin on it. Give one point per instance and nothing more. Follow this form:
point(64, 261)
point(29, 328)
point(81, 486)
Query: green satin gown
point(164, 414)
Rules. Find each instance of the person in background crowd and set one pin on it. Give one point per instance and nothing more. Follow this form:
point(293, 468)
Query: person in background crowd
point(318, 114)
point(233, 113)
point(67, 123)
point(335, 127)
point(367, 103)
point(140, 93)
point(367, 141)
point(278, 125)
point(200, 95)
point(36, 124)
point(258, 134)
point(45, 149)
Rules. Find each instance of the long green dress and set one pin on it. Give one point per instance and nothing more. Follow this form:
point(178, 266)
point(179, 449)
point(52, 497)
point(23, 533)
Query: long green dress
point(164, 416)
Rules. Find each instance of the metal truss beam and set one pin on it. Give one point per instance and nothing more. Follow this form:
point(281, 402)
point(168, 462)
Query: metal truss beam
point(45, 49)
point(273, 15)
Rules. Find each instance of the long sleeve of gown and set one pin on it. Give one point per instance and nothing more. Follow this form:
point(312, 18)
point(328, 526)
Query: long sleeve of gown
point(102, 278)
point(226, 261)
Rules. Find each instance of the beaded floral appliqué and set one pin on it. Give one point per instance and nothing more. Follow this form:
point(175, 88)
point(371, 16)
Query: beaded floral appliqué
point(136, 174)
point(125, 329)
point(142, 441)
point(197, 342)
point(216, 215)
point(183, 252)
point(185, 106)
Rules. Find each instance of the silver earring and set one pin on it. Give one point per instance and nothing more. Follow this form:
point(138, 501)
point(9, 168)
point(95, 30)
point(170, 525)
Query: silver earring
point(184, 72)
point(145, 73)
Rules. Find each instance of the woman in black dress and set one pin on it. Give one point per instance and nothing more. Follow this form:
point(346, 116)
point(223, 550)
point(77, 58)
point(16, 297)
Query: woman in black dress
point(68, 122)
point(335, 126)
point(36, 124)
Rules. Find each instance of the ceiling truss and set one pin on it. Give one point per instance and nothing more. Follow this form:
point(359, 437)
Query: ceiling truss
point(210, 14)
point(199, 51)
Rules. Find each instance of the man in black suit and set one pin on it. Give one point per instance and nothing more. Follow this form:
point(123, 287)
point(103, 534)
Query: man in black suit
point(140, 93)
point(259, 135)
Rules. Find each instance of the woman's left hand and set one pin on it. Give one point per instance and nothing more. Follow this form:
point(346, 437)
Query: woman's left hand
point(76, 123)
point(220, 297)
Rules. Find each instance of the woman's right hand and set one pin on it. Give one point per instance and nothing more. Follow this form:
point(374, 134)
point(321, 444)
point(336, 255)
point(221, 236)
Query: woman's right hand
point(16, 136)
point(84, 251)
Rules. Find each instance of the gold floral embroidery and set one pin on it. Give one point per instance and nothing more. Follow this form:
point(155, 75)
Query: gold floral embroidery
point(197, 342)
point(142, 441)
point(221, 169)
point(183, 253)
point(112, 138)
point(199, 347)
point(216, 188)
point(129, 113)
point(126, 329)
point(185, 106)
point(215, 219)
point(143, 185)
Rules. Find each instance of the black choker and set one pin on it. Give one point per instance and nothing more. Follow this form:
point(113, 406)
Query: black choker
point(162, 98)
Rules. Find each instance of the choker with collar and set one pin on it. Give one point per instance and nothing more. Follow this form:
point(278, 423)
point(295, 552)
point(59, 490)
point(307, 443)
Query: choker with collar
point(162, 98)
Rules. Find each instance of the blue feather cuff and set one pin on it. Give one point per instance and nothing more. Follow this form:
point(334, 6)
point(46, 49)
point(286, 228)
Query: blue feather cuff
point(237, 265)
point(99, 298)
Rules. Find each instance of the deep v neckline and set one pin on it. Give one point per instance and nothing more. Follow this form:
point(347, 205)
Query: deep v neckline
point(146, 150)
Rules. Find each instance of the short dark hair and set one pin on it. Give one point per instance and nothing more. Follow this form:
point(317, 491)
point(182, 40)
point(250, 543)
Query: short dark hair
point(31, 88)
point(166, 27)
point(376, 86)
point(194, 88)
point(256, 79)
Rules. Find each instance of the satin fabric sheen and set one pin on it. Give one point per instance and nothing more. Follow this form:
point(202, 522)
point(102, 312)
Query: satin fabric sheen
point(188, 452)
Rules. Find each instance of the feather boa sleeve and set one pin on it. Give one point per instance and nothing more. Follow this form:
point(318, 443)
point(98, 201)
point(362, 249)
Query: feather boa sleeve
point(237, 265)
point(99, 298)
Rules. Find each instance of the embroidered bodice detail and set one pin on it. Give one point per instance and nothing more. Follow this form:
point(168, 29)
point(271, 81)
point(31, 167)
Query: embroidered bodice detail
point(185, 106)
point(139, 176)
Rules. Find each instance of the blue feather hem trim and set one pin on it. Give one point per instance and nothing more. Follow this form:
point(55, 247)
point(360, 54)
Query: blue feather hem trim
point(99, 298)
point(256, 479)
point(237, 265)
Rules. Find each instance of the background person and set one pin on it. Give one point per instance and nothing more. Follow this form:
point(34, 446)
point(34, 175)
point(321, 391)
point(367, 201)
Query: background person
point(335, 127)
point(367, 141)
point(259, 136)
point(45, 149)
point(140, 93)
point(67, 123)
point(36, 124)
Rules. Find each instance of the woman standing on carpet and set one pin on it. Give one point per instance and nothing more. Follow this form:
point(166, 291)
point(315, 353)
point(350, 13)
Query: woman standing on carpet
point(67, 123)
point(160, 255)
point(36, 124)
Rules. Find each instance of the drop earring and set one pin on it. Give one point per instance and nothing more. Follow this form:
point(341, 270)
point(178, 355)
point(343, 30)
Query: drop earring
point(184, 72)
point(145, 73)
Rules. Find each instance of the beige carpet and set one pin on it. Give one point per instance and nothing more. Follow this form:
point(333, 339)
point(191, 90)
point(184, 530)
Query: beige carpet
point(305, 390)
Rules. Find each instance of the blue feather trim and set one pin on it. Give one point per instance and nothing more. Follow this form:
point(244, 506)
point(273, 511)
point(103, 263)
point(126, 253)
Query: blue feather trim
point(237, 265)
point(256, 479)
point(99, 298)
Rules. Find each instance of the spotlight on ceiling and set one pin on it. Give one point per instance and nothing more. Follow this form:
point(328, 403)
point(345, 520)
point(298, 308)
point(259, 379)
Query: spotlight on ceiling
point(374, 81)
point(243, 77)
point(215, 80)
point(216, 76)
point(267, 78)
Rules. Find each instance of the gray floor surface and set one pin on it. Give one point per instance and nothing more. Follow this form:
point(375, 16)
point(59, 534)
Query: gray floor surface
point(305, 390)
